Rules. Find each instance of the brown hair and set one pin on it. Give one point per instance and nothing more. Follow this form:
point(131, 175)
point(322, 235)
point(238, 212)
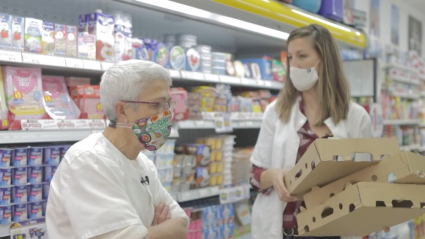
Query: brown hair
point(333, 86)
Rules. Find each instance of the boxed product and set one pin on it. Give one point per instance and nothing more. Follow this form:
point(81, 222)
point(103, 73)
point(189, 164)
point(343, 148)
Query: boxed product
point(18, 27)
point(60, 40)
point(89, 102)
point(35, 192)
point(57, 101)
point(33, 32)
point(6, 31)
point(405, 167)
point(264, 64)
point(177, 58)
point(19, 176)
point(48, 38)
point(202, 153)
point(35, 156)
point(5, 215)
point(19, 213)
point(86, 46)
point(5, 157)
point(35, 174)
point(5, 195)
point(382, 204)
point(139, 50)
point(71, 41)
point(161, 55)
point(4, 120)
point(23, 91)
point(327, 160)
point(181, 110)
point(49, 172)
point(82, 23)
point(35, 210)
point(20, 194)
point(20, 157)
point(202, 177)
point(5, 177)
point(102, 25)
point(52, 155)
point(122, 35)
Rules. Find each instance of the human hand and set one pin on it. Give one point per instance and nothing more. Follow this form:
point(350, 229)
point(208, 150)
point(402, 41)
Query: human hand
point(277, 175)
point(162, 214)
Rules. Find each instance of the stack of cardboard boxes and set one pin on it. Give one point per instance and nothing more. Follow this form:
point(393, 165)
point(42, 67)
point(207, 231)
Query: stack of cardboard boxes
point(354, 187)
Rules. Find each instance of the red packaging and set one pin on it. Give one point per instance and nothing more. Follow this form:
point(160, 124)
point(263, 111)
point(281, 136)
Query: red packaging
point(89, 102)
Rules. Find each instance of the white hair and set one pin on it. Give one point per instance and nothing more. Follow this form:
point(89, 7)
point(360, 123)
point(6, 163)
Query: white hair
point(126, 80)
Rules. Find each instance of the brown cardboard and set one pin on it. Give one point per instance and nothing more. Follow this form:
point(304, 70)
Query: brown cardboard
point(321, 153)
point(405, 167)
point(362, 209)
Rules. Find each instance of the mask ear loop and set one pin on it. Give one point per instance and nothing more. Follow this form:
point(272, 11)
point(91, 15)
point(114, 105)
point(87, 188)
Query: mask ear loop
point(122, 124)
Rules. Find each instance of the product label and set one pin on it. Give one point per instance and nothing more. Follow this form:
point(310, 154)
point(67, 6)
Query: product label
point(20, 194)
point(5, 30)
point(161, 55)
point(18, 33)
point(20, 176)
point(48, 40)
point(35, 156)
point(177, 58)
point(20, 157)
point(35, 174)
point(35, 192)
point(5, 156)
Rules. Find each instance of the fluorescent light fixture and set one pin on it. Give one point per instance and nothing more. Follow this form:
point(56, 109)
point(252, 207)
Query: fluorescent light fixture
point(233, 22)
point(322, 21)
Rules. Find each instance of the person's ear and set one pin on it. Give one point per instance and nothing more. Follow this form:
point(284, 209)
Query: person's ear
point(120, 111)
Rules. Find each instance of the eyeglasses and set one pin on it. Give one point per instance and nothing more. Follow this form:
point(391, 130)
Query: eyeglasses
point(161, 107)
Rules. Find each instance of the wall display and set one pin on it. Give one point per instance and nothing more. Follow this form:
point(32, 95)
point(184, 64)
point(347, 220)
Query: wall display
point(395, 24)
point(415, 35)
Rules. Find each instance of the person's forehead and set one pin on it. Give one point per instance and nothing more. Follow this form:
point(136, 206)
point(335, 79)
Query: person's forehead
point(299, 44)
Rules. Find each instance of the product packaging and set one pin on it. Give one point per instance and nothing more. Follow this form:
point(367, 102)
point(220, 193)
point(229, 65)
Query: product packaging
point(23, 91)
point(150, 45)
point(5, 157)
point(49, 172)
point(18, 27)
point(20, 194)
point(82, 24)
point(5, 177)
point(181, 109)
point(52, 155)
point(89, 102)
point(71, 41)
point(20, 213)
point(5, 195)
point(60, 40)
point(20, 157)
point(327, 160)
point(20, 177)
point(139, 49)
point(46, 190)
point(122, 34)
point(102, 25)
point(86, 46)
point(202, 153)
point(161, 55)
point(35, 156)
point(193, 60)
point(5, 215)
point(35, 192)
point(57, 101)
point(5, 31)
point(35, 174)
point(48, 38)
point(35, 210)
point(177, 58)
point(4, 120)
point(265, 67)
point(33, 32)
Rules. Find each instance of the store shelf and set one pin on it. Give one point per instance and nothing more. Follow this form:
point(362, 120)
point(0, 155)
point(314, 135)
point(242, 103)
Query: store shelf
point(41, 136)
point(404, 80)
point(198, 194)
point(402, 122)
point(410, 147)
point(401, 67)
point(411, 96)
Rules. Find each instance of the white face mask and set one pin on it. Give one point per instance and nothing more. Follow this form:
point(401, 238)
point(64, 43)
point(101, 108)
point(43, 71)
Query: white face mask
point(304, 79)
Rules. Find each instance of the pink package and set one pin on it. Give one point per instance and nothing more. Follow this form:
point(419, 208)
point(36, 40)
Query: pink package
point(75, 81)
point(23, 92)
point(89, 102)
point(57, 101)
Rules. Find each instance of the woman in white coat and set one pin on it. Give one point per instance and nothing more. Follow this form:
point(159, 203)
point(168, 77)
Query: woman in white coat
point(315, 103)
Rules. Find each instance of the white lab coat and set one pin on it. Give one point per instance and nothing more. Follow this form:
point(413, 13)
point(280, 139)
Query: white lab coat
point(277, 147)
point(97, 190)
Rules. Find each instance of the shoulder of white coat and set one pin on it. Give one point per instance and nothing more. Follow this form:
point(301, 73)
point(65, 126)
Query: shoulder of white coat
point(146, 163)
point(270, 112)
point(356, 112)
point(82, 147)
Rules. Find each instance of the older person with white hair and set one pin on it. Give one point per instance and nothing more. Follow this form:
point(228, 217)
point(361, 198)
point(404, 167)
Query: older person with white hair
point(106, 188)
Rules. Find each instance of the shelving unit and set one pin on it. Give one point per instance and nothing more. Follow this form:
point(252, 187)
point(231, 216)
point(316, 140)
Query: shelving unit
point(401, 122)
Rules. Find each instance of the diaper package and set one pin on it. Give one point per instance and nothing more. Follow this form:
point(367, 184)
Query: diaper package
point(19, 176)
point(57, 101)
point(20, 157)
point(52, 155)
point(5, 214)
point(5, 177)
point(20, 213)
point(20, 194)
point(23, 92)
point(89, 102)
point(35, 210)
point(5, 195)
point(5, 157)
point(35, 156)
point(35, 193)
point(35, 174)
point(4, 122)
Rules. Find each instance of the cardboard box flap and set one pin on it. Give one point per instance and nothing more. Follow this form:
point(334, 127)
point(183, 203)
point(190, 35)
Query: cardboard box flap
point(363, 208)
point(416, 166)
point(328, 160)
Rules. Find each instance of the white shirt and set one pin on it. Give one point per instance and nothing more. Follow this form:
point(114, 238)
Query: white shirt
point(97, 190)
point(277, 147)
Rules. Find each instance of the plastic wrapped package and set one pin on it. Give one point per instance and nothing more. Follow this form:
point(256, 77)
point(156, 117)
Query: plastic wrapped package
point(57, 101)
point(89, 102)
point(33, 32)
point(4, 121)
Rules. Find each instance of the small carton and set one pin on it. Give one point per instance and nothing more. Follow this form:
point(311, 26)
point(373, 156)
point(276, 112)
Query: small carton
point(60, 40)
point(405, 167)
point(18, 26)
point(102, 25)
point(181, 109)
point(89, 102)
point(5, 31)
point(327, 160)
point(71, 41)
point(86, 46)
point(362, 209)
point(33, 32)
point(82, 24)
point(202, 153)
point(48, 38)
point(202, 177)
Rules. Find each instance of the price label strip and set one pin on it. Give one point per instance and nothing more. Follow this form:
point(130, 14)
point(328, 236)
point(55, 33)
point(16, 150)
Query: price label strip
point(191, 75)
point(32, 58)
point(232, 195)
point(91, 65)
point(62, 124)
point(11, 56)
point(230, 80)
point(175, 74)
point(74, 63)
point(53, 61)
point(223, 124)
point(212, 78)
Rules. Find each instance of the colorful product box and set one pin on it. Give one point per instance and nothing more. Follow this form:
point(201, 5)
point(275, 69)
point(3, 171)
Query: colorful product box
point(82, 24)
point(5, 215)
point(181, 109)
point(20, 213)
point(35, 193)
point(46, 191)
point(20, 176)
point(102, 25)
point(35, 210)
point(35, 174)
point(5, 177)
point(5, 195)
point(60, 40)
point(48, 38)
point(89, 102)
point(52, 155)
point(202, 153)
point(18, 26)
point(20, 157)
point(20, 194)
point(35, 156)
point(33, 35)
point(71, 41)
point(86, 46)
point(5, 31)
point(5, 157)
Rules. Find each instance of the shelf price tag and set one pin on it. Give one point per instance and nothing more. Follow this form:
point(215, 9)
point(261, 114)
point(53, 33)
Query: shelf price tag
point(230, 80)
point(32, 58)
point(208, 115)
point(39, 124)
point(54, 61)
point(248, 82)
point(74, 63)
point(212, 78)
point(232, 195)
point(276, 85)
point(175, 74)
point(91, 65)
point(191, 75)
point(223, 123)
point(106, 65)
point(11, 56)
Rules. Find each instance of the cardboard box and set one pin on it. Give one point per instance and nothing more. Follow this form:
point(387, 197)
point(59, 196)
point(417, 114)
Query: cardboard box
point(327, 160)
point(362, 209)
point(202, 153)
point(405, 167)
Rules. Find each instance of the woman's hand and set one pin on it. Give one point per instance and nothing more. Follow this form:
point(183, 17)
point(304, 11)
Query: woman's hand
point(162, 214)
point(277, 176)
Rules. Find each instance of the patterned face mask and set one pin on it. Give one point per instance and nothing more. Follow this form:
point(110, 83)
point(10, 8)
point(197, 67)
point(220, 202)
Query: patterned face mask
point(153, 132)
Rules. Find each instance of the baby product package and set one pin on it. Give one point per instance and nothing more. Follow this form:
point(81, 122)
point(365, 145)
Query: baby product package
point(6, 31)
point(5, 157)
point(5, 177)
point(23, 92)
point(82, 23)
point(102, 25)
point(20, 157)
point(52, 155)
point(89, 102)
point(35, 193)
point(139, 50)
point(60, 40)
point(122, 35)
point(20, 194)
point(5, 215)
point(35, 156)
point(5, 196)
point(35, 174)
point(19, 176)
point(18, 26)
point(20, 213)
point(86, 46)
point(33, 32)
point(35, 210)
point(4, 121)
point(71, 41)
point(57, 101)
point(48, 40)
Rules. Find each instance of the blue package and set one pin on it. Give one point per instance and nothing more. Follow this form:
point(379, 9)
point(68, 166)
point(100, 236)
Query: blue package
point(19, 157)
point(19, 213)
point(20, 194)
point(209, 216)
point(5, 157)
point(150, 45)
point(5, 177)
point(52, 155)
point(5, 195)
point(35, 156)
point(161, 55)
point(35, 174)
point(210, 232)
point(265, 67)
point(5, 215)
point(227, 213)
point(35, 193)
point(46, 191)
point(226, 230)
point(49, 172)
point(19, 176)
point(44, 208)
point(139, 50)
point(64, 149)
point(35, 210)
